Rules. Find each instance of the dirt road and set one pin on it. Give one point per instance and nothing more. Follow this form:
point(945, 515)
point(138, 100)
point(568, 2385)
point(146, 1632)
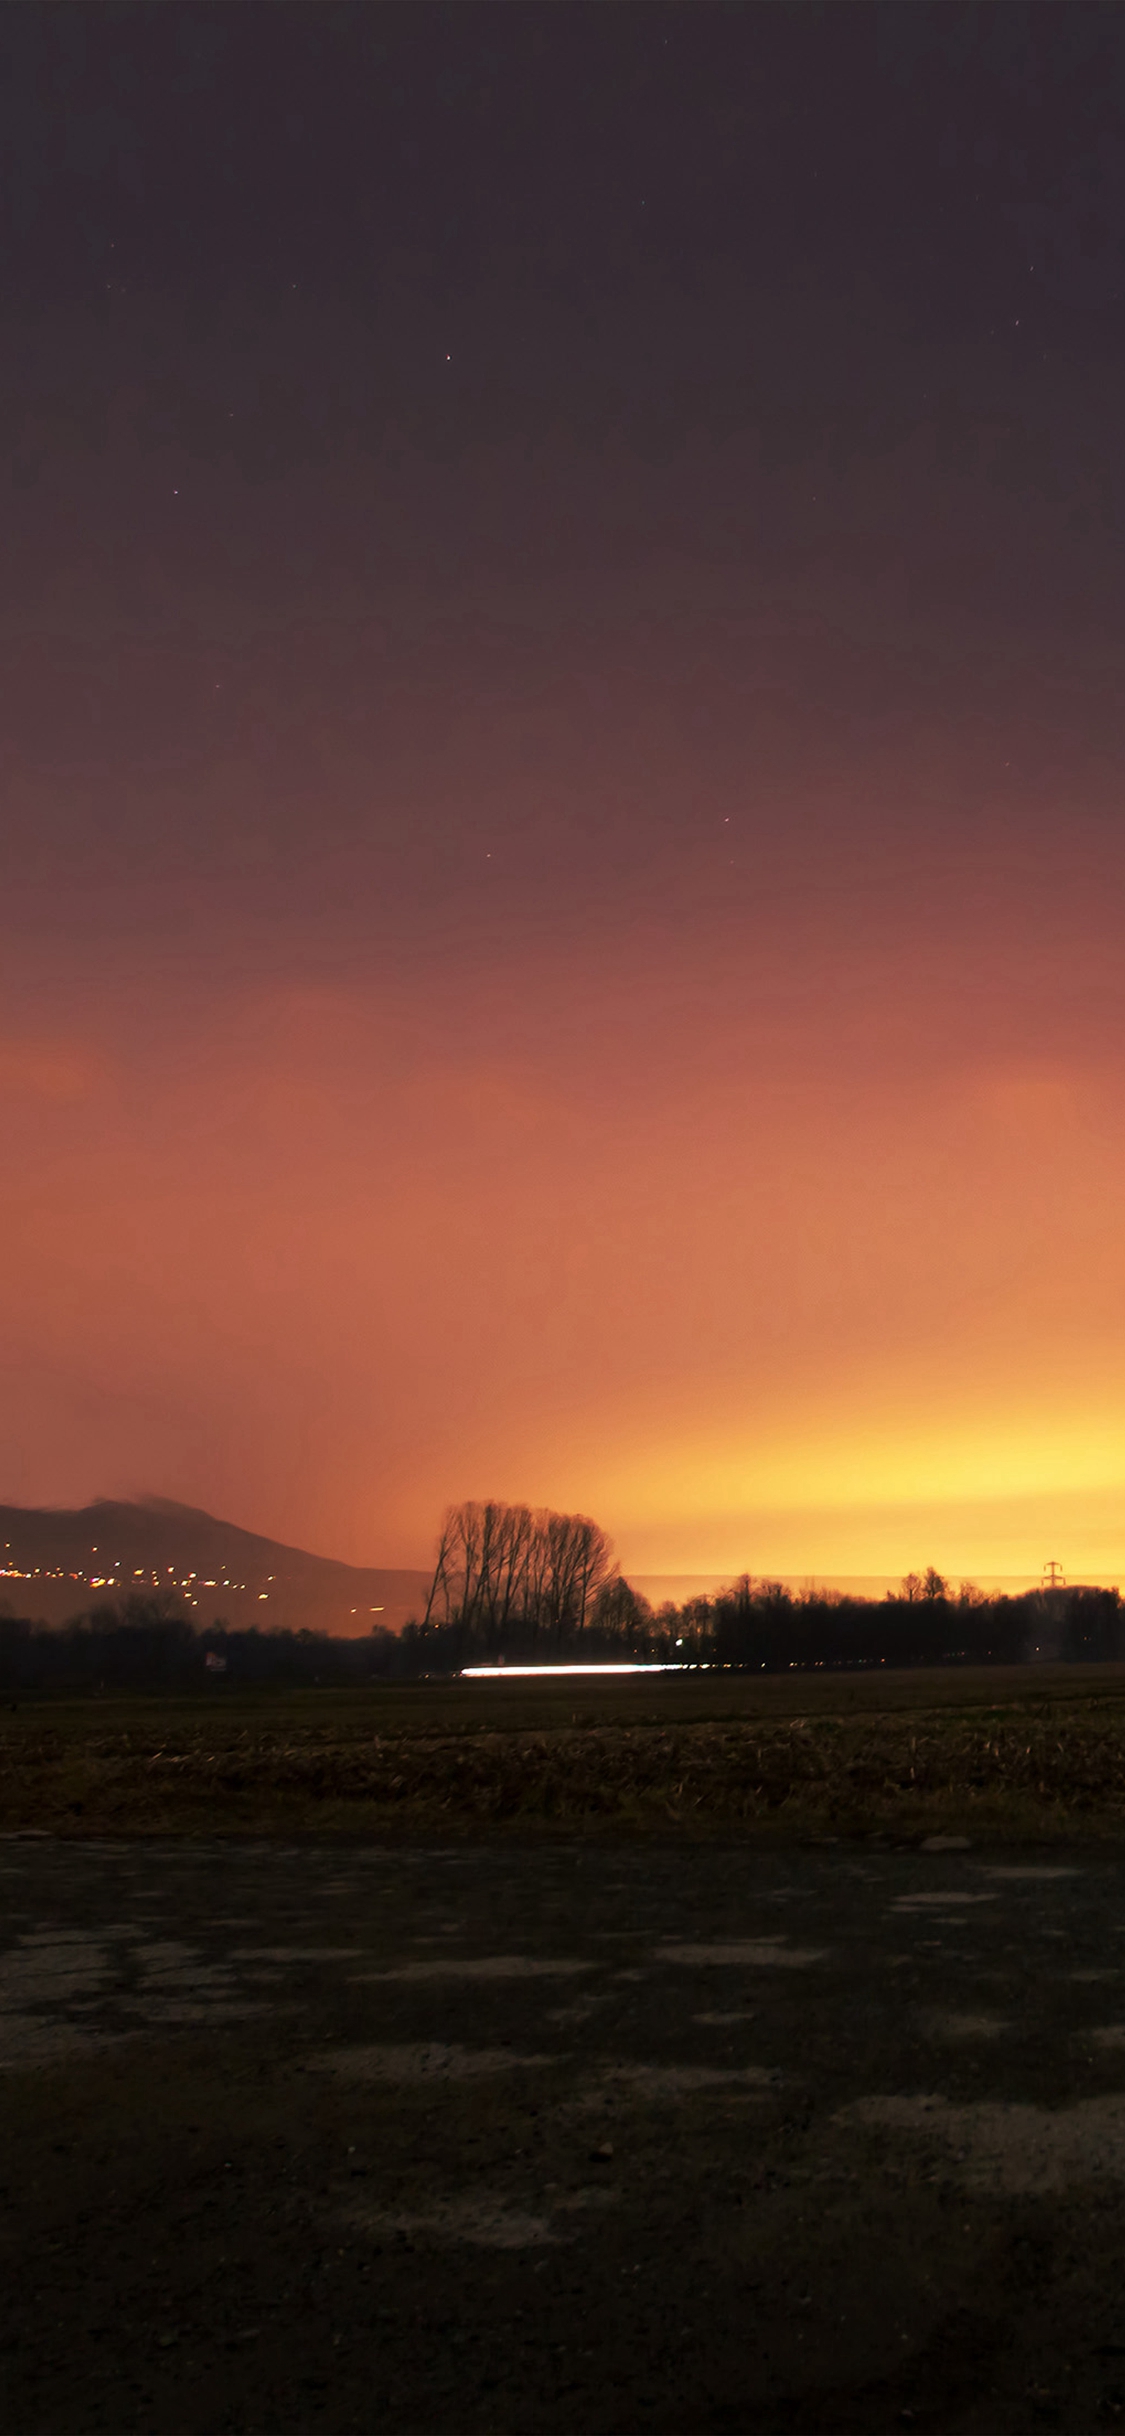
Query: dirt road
point(501, 2139)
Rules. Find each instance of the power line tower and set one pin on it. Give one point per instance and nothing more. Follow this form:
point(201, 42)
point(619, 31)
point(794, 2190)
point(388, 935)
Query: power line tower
point(1053, 1576)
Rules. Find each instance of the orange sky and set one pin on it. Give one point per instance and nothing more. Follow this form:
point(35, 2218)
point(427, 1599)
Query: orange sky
point(778, 1229)
point(561, 749)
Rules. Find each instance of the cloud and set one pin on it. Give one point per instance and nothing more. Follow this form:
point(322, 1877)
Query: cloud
point(48, 1069)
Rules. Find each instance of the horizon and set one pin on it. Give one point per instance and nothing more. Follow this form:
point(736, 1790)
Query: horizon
point(794, 1577)
point(657, 1587)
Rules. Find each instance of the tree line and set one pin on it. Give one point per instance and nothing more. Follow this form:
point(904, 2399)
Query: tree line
point(144, 1645)
point(511, 1584)
point(764, 1626)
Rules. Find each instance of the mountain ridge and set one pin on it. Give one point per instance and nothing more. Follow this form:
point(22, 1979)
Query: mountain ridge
point(58, 1561)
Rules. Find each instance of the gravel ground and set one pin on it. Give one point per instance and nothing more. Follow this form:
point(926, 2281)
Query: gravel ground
point(513, 2137)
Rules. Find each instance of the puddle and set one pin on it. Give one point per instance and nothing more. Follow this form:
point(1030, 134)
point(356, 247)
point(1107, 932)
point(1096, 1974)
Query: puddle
point(1033, 1874)
point(83, 1936)
point(169, 2009)
point(425, 2060)
point(491, 1966)
point(947, 1901)
point(297, 1953)
point(487, 2223)
point(1010, 2150)
point(685, 2080)
point(47, 1971)
point(964, 2025)
point(27, 2039)
point(598, 2195)
point(189, 1976)
point(759, 1953)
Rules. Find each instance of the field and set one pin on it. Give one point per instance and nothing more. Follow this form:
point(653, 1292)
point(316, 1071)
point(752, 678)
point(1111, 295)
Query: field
point(1004, 1751)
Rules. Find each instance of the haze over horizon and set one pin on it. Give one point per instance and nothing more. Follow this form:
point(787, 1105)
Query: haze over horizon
point(562, 748)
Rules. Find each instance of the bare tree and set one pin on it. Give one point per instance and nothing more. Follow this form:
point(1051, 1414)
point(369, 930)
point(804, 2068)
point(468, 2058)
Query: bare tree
point(500, 1567)
point(571, 1563)
point(480, 1572)
point(442, 1593)
point(621, 1611)
point(929, 1585)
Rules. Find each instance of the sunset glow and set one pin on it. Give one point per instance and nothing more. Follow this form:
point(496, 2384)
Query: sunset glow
point(566, 966)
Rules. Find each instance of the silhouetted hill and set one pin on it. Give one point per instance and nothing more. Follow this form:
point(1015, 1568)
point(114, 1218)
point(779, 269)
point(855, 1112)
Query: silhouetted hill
point(56, 1562)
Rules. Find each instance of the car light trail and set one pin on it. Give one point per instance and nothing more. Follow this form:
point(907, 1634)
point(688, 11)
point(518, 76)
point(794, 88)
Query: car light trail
point(639, 1666)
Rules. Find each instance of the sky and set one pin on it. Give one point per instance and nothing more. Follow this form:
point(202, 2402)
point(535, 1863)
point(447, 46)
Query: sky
point(562, 730)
